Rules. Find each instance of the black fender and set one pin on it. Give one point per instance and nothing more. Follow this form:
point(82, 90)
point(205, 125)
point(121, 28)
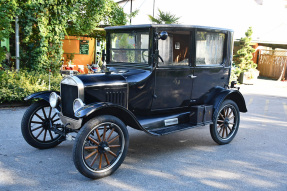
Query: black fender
point(218, 94)
point(40, 95)
point(105, 108)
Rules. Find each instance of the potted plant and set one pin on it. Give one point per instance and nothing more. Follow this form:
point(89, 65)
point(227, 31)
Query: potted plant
point(246, 71)
point(70, 58)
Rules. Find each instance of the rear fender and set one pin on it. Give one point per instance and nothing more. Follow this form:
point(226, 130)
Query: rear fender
point(40, 95)
point(218, 95)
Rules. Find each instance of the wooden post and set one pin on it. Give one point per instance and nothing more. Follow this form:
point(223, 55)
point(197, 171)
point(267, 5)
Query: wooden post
point(131, 11)
point(17, 43)
point(282, 75)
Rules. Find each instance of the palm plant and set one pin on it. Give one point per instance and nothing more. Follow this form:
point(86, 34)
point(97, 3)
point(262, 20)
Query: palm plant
point(164, 18)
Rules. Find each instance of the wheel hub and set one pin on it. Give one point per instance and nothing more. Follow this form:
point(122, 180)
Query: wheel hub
point(46, 124)
point(103, 147)
point(226, 122)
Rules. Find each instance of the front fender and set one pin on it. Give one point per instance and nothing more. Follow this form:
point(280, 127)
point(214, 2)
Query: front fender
point(91, 108)
point(104, 108)
point(40, 95)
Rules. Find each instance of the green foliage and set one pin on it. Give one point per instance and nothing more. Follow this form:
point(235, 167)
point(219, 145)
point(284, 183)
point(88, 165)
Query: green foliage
point(7, 14)
point(44, 24)
point(133, 14)
point(164, 18)
point(15, 86)
point(89, 14)
point(71, 56)
point(235, 72)
point(243, 58)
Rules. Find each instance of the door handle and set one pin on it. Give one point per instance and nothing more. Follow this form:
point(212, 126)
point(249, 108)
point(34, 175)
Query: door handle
point(192, 76)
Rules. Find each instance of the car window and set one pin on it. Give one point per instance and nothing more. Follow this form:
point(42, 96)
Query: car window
point(209, 48)
point(175, 49)
point(129, 47)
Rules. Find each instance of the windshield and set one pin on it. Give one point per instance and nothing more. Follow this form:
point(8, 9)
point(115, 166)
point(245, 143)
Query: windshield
point(129, 47)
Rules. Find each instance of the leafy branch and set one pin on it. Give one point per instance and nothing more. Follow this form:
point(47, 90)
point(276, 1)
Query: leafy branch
point(164, 18)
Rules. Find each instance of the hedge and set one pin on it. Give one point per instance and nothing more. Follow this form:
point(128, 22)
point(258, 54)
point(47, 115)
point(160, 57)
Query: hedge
point(15, 86)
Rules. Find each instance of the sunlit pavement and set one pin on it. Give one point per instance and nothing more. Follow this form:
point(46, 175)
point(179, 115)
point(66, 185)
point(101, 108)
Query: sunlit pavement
point(189, 160)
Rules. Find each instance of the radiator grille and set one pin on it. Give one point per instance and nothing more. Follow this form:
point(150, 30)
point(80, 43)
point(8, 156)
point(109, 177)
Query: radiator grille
point(116, 98)
point(68, 95)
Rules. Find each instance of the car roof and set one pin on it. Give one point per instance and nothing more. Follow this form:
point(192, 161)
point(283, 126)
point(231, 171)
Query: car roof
point(171, 26)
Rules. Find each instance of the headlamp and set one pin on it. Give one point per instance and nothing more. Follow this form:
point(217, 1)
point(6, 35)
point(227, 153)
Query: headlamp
point(78, 103)
point(54, 99)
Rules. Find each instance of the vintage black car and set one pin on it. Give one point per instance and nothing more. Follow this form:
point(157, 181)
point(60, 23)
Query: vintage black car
point(159, 79)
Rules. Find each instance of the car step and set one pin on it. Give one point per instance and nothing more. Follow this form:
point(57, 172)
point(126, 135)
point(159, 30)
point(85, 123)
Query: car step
point(157, 122)
point(174, 128)
point(161, 125)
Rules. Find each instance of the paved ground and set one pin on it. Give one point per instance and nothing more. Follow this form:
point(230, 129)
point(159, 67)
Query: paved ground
point(255, 160)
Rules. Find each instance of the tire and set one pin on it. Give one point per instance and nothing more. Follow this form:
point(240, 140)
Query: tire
point(35, 126)
point(101, 146)
point(226, 123)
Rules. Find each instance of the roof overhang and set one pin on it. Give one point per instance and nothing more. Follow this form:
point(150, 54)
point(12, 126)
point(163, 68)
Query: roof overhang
point(273, 45)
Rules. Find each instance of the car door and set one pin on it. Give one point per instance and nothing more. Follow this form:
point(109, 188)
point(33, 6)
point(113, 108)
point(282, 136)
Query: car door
point(211, 67)
point(172, 76)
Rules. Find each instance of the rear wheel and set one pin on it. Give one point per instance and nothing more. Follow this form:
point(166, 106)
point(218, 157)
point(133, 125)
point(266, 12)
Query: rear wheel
point(101, 146)
point(226, 123)
point(37, 123)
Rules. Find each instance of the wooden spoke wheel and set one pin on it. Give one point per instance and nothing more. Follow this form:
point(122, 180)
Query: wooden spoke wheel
point(100, 147)
point(37, 124)
point(226, 123)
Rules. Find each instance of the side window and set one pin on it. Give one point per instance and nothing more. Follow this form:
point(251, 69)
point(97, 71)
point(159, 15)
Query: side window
point(175, 49)
point(209, 48)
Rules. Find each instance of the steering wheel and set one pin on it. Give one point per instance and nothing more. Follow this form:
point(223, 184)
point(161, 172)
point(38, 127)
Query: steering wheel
point(145, 56)
point(160, 58)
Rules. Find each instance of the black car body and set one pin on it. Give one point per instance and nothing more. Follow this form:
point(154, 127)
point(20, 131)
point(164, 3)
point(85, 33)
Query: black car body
point(159, 79)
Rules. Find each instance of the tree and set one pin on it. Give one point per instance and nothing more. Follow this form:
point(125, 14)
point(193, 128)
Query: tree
point(164, 18)
point(89, 14)
point(243, 57)
point(7, 14)
point(44, 24)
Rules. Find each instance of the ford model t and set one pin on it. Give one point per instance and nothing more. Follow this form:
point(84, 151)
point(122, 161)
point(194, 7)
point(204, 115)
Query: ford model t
point(159, 79)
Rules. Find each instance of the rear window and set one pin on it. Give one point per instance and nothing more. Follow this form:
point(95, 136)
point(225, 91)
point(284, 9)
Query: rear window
point(209, 48)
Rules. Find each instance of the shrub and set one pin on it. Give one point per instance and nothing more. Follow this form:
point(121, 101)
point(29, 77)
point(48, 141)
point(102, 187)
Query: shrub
point(235, 72)
point(243, 57)
point(15, 86)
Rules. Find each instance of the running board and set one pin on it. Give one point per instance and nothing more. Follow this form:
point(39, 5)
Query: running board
point(175, 128)
point(164, 124)
point(157, 122)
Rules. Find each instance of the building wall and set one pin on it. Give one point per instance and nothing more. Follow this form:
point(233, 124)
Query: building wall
point(71, 44)
point(256, 53)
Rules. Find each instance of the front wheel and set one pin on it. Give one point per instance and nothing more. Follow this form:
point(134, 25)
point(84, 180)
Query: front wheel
point(101, 146)
point(226, 123)
point(37, 126)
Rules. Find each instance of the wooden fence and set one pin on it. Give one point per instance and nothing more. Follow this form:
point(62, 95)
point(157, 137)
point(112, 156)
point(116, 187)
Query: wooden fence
point(273, 63)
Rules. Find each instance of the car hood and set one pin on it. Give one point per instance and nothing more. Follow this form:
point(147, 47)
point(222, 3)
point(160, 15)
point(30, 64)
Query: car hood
point(102, 79)
point(114, 77)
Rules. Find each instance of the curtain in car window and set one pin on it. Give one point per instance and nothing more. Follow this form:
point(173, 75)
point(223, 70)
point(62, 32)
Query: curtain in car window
point(209, 48)
point(165, 49)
